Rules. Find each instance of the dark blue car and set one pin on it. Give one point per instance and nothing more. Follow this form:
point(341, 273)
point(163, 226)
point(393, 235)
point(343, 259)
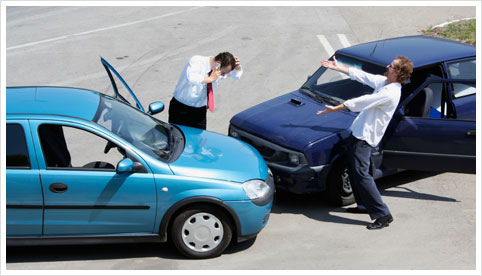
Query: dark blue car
point(433, 128)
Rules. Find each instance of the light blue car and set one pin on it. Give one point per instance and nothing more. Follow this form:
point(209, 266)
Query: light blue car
point(83, 167)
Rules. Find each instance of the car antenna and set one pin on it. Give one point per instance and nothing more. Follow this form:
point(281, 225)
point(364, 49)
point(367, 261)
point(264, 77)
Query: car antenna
point(376, 44)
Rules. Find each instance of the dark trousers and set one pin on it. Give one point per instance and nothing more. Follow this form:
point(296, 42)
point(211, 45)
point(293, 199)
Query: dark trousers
point(364, 188)
point(186, 115)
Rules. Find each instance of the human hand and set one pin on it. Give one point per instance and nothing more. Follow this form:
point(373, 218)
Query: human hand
point(328, 109)
point(238, 64)
point(331, 64)
point(215, 74)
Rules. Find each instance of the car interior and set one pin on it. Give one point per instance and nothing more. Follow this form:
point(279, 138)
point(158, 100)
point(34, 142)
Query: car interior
point(56, 151)
point(428, 102)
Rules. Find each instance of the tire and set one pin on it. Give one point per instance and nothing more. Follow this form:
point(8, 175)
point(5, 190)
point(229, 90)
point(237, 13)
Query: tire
point(201, 232)
point(338, 190)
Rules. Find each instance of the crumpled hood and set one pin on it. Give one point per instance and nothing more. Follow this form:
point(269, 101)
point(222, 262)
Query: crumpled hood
point(212, 155)
point(291, 120)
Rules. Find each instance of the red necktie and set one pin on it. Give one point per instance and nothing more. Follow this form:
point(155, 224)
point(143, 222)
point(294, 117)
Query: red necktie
point(210, 102)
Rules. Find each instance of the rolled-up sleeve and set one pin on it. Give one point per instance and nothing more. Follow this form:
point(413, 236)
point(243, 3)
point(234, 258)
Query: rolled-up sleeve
point(366, 101)
point(366, 78)
point(236, 74)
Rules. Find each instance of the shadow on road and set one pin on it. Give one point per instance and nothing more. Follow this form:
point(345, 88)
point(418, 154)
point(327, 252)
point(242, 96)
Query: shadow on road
point(61, 253)
point(314, 207)
point(310, 205)
point(90, 252)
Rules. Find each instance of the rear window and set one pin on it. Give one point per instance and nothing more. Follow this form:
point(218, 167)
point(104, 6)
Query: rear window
point(17, 152)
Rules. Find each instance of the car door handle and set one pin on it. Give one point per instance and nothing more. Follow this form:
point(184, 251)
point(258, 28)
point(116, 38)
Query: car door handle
point(471, 132)
point(58, 187)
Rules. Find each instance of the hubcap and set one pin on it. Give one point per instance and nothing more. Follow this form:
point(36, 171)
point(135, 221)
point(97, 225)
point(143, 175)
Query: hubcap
point(202, 232)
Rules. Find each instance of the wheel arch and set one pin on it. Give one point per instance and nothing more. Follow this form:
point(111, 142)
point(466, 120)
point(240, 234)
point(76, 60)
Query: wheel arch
point(181, 205)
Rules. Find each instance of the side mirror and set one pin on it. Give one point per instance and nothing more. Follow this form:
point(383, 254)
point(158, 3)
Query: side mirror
point(156, 107)
point(124, 166)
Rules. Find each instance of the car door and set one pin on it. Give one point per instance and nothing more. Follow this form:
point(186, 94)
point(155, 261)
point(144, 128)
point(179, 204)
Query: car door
point(440, 140)
point(83, 193)
point(120, 91)
point(23, 189)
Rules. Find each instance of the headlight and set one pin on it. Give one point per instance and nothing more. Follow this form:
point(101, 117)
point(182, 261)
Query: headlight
point(233, 133)
point(256, 188)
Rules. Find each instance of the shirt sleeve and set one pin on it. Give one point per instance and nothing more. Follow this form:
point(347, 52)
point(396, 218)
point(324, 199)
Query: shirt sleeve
point(371, 80)
point(236, 74)
point(194, 72)
point(366, 101)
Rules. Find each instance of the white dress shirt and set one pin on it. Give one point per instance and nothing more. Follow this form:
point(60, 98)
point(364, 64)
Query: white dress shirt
point(376, 109)
point(189, 89)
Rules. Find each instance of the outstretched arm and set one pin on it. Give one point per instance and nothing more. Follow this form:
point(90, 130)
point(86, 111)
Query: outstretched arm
point(330, 108)
point(333, 64)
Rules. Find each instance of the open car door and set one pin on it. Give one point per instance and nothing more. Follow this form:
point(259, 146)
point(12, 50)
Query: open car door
point(119, 93)
point(439, 139)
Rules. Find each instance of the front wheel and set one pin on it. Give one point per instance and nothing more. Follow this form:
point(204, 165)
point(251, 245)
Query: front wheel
point(201, 232)
point(338, 190)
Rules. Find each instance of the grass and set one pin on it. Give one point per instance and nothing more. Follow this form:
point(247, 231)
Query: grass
point(463, 31)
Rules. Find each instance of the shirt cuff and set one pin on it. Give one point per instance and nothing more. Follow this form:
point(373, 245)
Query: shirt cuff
point(237, 73)
point(349, 104)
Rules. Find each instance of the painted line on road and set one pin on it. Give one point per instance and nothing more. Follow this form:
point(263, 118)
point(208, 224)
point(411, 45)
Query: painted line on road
point(329, 50)
point(343, 40)
point(99, 30)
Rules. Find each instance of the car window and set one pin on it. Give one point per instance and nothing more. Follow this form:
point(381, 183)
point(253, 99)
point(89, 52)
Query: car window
point(339, 86)
point(73, 148)
point(462, 70)
point(143, 131)
point(17, 151)
point(430, 103)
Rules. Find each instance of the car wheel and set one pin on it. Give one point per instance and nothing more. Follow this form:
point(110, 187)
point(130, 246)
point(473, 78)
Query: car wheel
point(201, 232)
point(338, 191)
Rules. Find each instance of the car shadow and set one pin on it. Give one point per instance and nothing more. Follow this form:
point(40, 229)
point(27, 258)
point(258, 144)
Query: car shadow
point(61, 253)
point(315, 207)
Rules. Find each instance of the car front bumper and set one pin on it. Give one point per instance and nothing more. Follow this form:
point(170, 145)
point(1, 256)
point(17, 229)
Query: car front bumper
point(300, 180)
point(252, 218)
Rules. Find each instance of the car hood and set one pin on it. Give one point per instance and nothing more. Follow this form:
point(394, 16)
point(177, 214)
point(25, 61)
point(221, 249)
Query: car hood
point(291, 120)
point(212, 155)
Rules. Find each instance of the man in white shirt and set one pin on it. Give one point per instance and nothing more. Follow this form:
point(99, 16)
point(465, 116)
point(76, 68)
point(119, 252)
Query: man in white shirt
point(376, 111)
point(193, 94)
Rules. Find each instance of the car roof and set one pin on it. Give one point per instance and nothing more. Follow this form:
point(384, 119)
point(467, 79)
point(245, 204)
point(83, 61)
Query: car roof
point(421, 50)
point(63, 101)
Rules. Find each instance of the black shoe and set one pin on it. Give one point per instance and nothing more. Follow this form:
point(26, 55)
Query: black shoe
point(357, 210)
point(380, 222)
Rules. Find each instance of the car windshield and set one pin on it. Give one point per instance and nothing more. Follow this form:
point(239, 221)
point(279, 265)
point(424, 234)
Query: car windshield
point(335, 87)
point(148, 134)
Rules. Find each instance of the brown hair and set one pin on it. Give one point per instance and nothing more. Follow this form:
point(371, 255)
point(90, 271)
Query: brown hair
point(226, 59)
point(405, 66)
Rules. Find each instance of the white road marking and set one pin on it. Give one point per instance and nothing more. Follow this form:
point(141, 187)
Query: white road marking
point(99, 30)
point(343, 40)
point(329, 50)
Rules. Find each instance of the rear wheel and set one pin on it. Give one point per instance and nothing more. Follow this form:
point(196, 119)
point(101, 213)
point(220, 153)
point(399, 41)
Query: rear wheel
point(201, 232)
point(338, 190)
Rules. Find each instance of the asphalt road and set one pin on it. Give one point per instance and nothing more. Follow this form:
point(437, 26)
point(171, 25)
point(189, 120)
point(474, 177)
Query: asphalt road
point(434, 226)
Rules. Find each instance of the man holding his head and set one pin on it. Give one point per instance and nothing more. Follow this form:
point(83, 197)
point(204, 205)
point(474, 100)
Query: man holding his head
point(193, 94)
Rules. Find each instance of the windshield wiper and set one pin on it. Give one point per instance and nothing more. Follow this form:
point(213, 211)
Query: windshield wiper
point(320, 97)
